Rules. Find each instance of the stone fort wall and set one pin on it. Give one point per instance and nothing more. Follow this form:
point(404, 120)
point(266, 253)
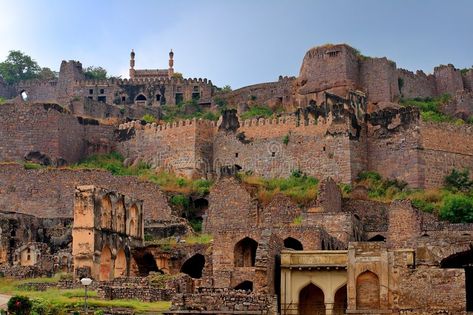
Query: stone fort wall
point(49, 193)
point(50, 130)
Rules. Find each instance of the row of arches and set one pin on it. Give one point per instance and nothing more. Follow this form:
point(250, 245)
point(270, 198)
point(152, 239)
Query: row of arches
point(115, 217)
point(113, 267)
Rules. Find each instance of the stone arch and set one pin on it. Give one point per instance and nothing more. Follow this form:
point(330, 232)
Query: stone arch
point(340, 301)
point(367, 291)
point(463, 260)
point(146, 263)
point(141, 98)
point(134, 221)
point(293, 243)
point(311, 300)
point(105, 264)
point(194, 266)
point(120, 264)
point(245, 285)
point(377, 238)
point(120, 217)
point(106, 217)
point(244, 253)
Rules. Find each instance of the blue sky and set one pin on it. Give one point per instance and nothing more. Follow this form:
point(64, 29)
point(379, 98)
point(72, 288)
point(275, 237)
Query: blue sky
point(235, 42)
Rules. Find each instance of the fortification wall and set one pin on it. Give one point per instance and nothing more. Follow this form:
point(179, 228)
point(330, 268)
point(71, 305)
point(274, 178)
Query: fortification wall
point(174, 146)
point(38, 91)
point(448, 79)
point(327, 67)
point(416, 84)
point(49, 129)
point(378, 77)
point(445, 147)
point(49, 193)
point(320, 149)
point(6, 91)
point(271, 93)
point(393, 143)
point(468, 80)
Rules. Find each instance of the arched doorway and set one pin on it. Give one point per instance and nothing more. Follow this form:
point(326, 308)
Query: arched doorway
point(106, 218)
point(194, 266)
point(340, 301)
point(146, 263)
point(463, 260)
point(245, 285)
point(120, 264)
point(377, 238)
point(311, 300)
point(245, 252)
point(292, 243)
point(367, 291)
point(105, 264)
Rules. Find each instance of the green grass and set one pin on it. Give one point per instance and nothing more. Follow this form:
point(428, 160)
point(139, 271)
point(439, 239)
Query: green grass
point(430, 109)
point(299, 187)
point(167, 181)
point(148, 118)
point(257, 111)
point(73, 299)
point(452, 202)
point(32, 166)
point(171, 242)
point(187, 110)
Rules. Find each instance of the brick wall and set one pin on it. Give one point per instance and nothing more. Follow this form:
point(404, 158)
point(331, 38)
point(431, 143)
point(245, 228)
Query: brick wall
point(404, 224)
point(47, 128)
point(445, 147)
point(39, 91)
point(448, 79)
point(379, 79)
point(416, 84)
point(49, 193)
point(468, 80)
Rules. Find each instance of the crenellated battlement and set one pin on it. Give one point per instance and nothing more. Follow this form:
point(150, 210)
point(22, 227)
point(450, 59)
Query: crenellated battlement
point(36, 83)
point(187, 123)
point(156, 81)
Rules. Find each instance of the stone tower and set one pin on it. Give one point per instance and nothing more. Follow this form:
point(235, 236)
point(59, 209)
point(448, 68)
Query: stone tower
point(132, 64)
point(171, 64)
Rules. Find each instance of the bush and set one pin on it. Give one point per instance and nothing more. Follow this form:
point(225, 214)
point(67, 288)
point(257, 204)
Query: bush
point(180, 201)
point(257, 111)
point(369, 175)
point(19, 305)
point(32, 166)
point(285, 140)
point(457, 208)
point(148, 118)
point(458, 180)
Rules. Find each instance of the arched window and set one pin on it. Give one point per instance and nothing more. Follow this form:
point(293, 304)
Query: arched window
point(292, 243)
point(311, 300)
point(245, 252)
point(340, 301)
point(134, 228)
point(106, 218)
point(194, 266)
point(119, 217)
point(120, 264)
point(105, 264)
point(245, 285)
point(367, 291)
point(140, 97)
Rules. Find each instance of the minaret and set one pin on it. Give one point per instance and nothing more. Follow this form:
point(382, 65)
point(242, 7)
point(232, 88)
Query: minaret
point(132, 64)
point(171, 64)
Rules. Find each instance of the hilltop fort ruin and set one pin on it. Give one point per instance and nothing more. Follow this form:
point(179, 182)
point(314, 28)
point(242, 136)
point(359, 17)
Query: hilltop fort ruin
point(335, 254)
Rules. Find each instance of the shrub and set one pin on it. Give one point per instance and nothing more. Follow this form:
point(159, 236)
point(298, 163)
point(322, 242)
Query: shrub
point(257, 111)
point(297, 220)
point(285, 140)
point(202, 186)
point(423, 205)
point(458, 180)
point(32, 166)
point(369, 175)
point(148, 118)
point(457, 208)
point(19, 305)
point(180, 201)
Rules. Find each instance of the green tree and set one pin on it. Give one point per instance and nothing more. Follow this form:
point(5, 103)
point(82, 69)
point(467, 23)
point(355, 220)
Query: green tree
point(95, 73)
point(18, 67)
point(19, 305)
point(47, 74)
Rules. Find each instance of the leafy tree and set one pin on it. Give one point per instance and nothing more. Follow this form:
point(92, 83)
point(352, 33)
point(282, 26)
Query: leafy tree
point(177, 75)
point(457, 208)
point(19, 305)
point(95, 73)
point(47, 74)
point(226, 88)
point(18, 67)
point(458, 180)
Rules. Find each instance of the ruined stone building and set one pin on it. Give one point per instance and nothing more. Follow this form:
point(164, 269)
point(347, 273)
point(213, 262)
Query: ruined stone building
point(334, 255)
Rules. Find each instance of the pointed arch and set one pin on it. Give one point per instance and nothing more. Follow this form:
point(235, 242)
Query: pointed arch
point(367, 291)
point(340, 301)
point(120, 269)
point(106, 217)
point(311, 300)
point(244, 252)
point(293, 243)
point(105, 264)
point(194, 266)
